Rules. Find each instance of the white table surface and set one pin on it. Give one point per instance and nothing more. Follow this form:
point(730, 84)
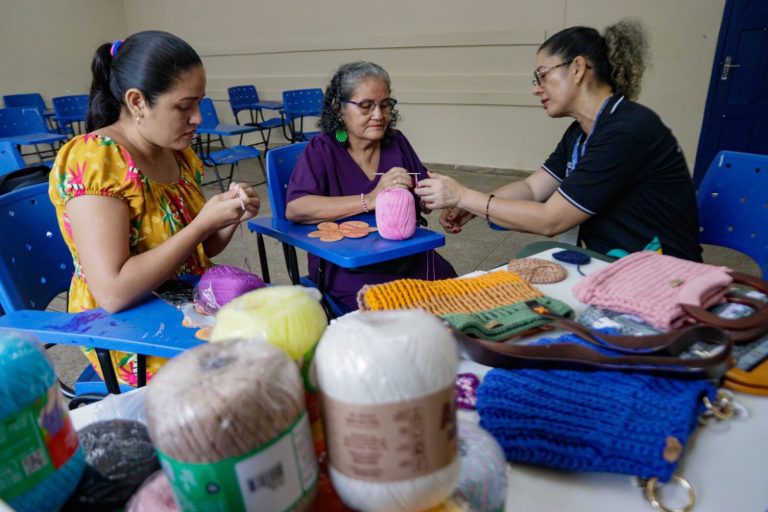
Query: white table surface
point(726, 463)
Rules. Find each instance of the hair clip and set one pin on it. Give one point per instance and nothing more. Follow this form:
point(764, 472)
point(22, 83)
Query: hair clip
point(116, 46)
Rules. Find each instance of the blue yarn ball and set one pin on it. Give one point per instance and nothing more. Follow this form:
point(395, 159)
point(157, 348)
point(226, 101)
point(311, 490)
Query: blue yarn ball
point(574, 257)
point(26, 375)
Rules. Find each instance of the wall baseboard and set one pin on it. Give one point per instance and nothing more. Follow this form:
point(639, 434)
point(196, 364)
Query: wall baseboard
point(475, 169)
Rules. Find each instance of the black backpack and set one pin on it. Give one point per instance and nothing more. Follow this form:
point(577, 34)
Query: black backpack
point(23, 178)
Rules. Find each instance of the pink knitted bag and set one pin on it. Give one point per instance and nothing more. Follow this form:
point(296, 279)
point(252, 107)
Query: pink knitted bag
point(654, 287)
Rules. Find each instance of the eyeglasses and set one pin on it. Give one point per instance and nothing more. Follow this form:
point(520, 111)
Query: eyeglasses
point(367, 106)
point(539, 74)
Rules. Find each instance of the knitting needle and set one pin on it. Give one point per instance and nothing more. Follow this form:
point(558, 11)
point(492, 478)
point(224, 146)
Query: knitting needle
point(411, 173)
point(240, 197)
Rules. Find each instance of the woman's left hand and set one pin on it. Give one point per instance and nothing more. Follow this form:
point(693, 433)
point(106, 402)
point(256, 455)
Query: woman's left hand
point(439, 191)
point(249, 199)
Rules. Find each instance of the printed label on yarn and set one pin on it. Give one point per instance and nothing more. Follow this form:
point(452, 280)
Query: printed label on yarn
point(34, 442)
point(392, 441)
point(275, 476)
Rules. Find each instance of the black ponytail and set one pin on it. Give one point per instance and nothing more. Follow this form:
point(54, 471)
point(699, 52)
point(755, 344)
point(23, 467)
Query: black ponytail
point(103, 107)
point(150, 61)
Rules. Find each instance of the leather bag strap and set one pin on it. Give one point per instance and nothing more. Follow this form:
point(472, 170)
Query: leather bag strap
point(658, 353)
point(743, 329)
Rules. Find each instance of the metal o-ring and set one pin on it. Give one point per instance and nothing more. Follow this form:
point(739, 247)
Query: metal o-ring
point(651, 494)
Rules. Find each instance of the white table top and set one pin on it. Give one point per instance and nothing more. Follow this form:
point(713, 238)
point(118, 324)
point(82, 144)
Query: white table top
point(726, 463)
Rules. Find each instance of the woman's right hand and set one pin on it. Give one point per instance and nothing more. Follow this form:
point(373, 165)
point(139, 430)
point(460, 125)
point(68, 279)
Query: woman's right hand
point(396, 177)
point(220, 211)
point(453, 219)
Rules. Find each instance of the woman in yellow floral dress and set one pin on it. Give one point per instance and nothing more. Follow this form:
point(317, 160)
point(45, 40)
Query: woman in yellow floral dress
point(127, 194)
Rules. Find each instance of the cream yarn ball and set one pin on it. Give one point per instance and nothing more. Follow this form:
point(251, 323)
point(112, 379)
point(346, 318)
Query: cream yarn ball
point(388, 383)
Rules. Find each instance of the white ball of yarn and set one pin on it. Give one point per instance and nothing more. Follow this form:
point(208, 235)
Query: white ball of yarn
point(389, 357)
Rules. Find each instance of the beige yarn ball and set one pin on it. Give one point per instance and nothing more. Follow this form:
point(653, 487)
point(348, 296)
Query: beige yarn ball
point(225, 402)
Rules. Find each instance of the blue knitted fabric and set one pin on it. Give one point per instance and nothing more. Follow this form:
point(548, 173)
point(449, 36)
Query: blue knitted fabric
point(601, 421)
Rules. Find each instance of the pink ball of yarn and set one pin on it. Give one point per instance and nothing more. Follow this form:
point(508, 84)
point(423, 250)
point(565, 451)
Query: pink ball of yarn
point(396, 214)
point(222, 283)
point(154, 495)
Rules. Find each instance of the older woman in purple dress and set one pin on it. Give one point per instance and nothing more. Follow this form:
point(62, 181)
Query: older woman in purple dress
point(341, 173)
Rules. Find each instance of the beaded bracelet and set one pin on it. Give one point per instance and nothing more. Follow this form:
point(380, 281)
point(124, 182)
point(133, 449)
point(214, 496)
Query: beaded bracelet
point(362, 201)
point(487, 205)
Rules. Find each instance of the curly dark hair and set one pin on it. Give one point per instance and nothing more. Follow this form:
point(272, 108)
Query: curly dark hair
point(341, 88)
point(619, 57)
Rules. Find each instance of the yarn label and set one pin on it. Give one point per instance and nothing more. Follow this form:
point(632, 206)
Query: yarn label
point(275, 476)
point(35, 441)
point(392, 441)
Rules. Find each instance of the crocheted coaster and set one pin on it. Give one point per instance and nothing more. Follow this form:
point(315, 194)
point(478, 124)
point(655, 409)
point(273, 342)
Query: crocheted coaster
point(602, 421)
point(538, 271)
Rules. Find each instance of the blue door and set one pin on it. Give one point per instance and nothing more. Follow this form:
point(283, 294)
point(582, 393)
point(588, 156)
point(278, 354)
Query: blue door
point(736, 113)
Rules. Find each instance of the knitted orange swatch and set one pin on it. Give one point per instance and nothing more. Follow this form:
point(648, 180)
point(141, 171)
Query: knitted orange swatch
point(491, 306)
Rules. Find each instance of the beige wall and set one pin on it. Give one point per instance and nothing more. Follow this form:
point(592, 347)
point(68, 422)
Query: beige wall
point(461, 70)
point(47, 45)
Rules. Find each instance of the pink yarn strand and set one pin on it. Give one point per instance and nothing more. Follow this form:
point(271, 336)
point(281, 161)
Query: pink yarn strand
point(246, 262)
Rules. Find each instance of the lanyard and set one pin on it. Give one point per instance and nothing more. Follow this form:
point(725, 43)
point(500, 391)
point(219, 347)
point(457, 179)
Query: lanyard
point(575, 154)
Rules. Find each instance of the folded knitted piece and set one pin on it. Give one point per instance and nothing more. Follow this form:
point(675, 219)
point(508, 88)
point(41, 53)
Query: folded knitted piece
point(601, 421)
point(653, 286)
point(493, 306)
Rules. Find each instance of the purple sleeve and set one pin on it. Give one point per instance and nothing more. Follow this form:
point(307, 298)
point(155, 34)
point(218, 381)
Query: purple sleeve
point(311, 174)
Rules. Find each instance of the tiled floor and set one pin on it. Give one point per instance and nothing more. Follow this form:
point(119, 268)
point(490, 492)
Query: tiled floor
point(477, 247)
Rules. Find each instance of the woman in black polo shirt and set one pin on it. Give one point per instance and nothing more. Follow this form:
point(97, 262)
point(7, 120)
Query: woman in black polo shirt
point(617, 181)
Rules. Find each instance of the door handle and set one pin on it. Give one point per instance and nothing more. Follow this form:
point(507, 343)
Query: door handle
point(727, 68)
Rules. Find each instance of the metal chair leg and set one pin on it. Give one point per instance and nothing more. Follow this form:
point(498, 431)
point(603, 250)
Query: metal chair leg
point(108, 371)
point(262, 257)
point(218, 177)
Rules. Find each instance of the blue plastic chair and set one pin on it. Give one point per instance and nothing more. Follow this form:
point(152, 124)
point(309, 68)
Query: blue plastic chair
point(36, 266)
point(345, 253)
point(733, 205)
point(33, 100)
point(298, 104)
point(26, 127)
point(213, 130)
point(71, 111)
point(246, 98)
point(280, 164)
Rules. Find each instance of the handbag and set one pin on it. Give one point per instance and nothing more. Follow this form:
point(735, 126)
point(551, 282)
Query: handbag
point(669, 292)
point(598, 421)
point(593, 418)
